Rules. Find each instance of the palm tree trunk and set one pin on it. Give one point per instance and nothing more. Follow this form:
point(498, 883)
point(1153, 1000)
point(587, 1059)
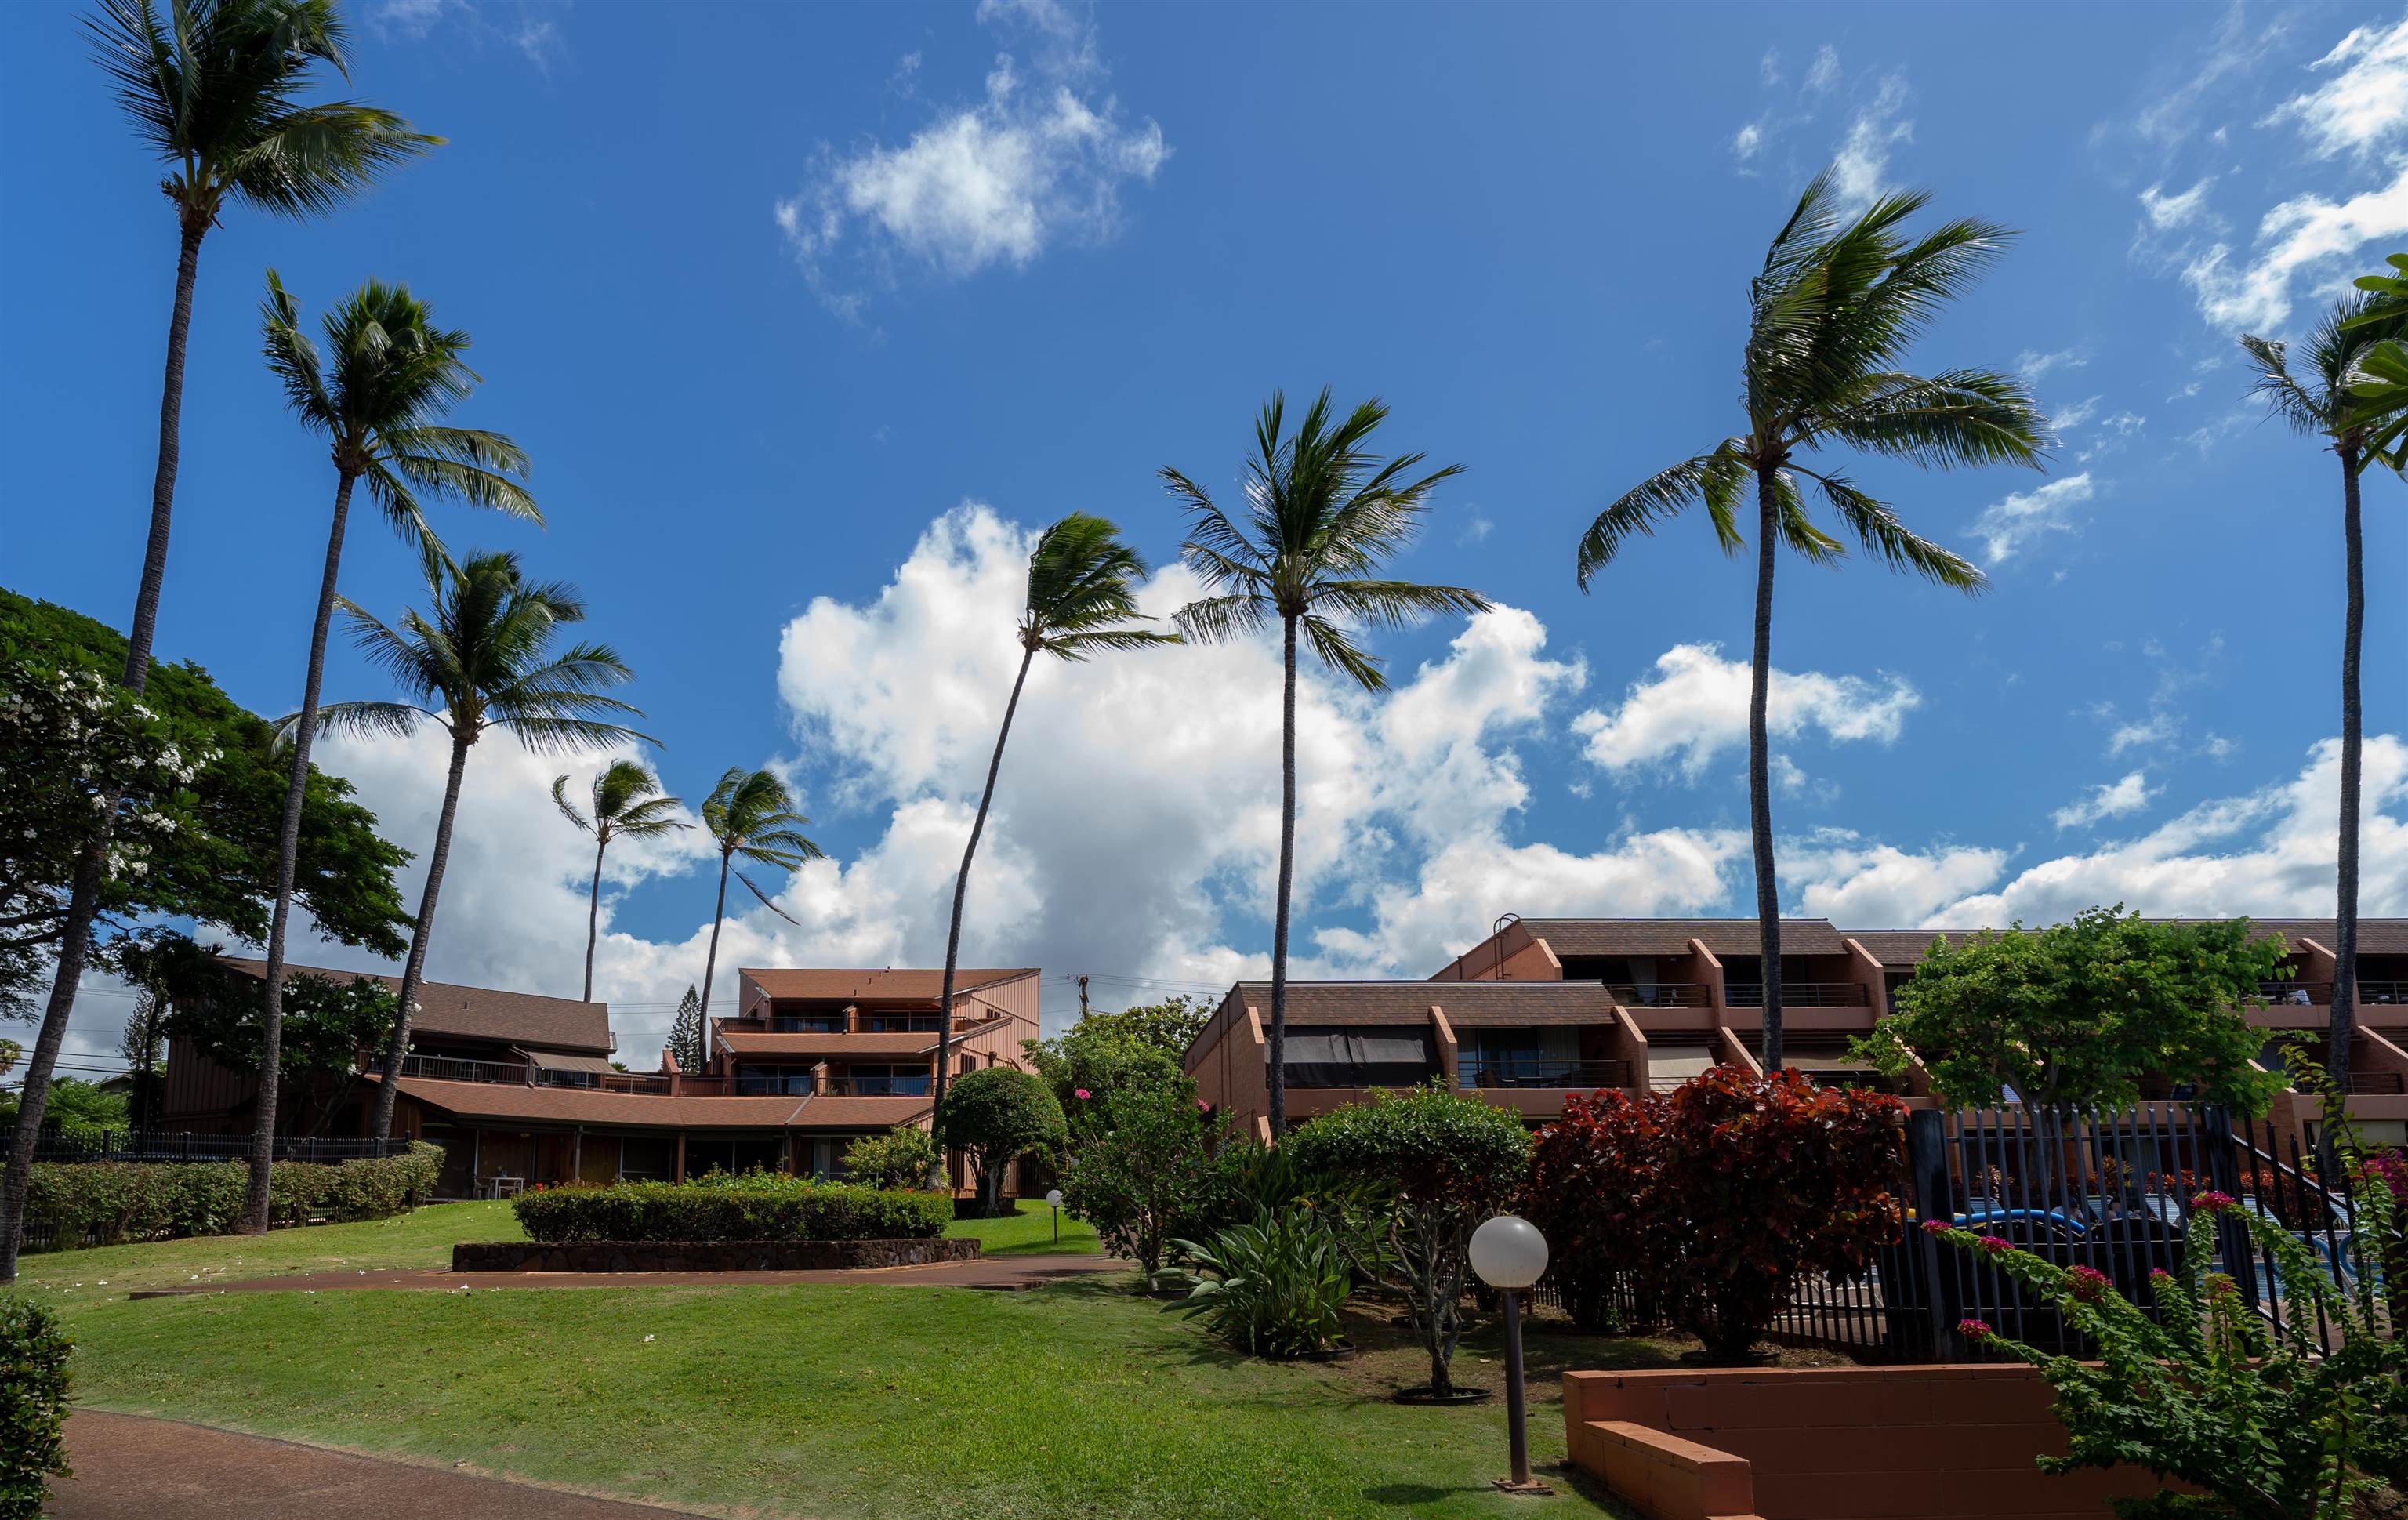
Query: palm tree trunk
point(288, 855)
point(962, 881)
point(2344, 993)
point(1278, 1054)
point(83, 897)
point(594, 911)
point(711, 963)
point(414, 970)
point(1759, 760)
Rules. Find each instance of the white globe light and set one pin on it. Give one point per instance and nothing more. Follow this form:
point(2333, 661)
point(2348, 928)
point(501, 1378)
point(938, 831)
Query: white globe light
point(1509, 1253)
point(1054, 1198)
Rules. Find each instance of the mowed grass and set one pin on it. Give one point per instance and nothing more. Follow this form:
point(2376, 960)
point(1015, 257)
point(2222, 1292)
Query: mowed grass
point(1029, 1233)
point(840, 1403)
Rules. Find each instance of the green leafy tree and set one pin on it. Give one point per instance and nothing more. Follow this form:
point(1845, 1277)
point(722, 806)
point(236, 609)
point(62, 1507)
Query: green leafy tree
point(144, 1044)
point(903, 1157)
point(1169, 1026)
point(1089, 1062)
point(2074, 1015)
point(686, 1033)
point(1144, 1173)
point(194, 790)
point(484, 659)
point(212, 88)
point(752, 816)
point(1451, 1161)
point(77, 1107)
point(331, 1024)
point(1082, 584)
point(1323, 515)
point(1830, 318)
point(376, 394)
point(626, 804)
point(995, 1115)
point(2319, 403)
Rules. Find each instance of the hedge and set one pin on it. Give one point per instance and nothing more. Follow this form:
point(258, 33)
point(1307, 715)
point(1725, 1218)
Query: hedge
point(32, 1405)
point(698, 1211)
point(111, 1201)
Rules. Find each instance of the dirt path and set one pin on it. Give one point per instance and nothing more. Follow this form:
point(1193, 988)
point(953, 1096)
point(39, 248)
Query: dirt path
point(128, 1468)
point(996, 1272)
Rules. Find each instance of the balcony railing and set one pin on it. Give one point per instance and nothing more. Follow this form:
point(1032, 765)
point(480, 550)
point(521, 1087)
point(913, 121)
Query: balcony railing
point(1798, 994)
point(2317, 993)
point(2382, 993)
point(1534, 1072)
point(2376, 1084)
point(1658, 994)
point(818, 1024)
point(800, 1085)
point(1868, 1079)
point(523, 1074)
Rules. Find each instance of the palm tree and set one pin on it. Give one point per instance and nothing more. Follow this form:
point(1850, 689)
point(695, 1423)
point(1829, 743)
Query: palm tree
point(2327, 402)
point(1322, 514)
point(210, 87)
point(752, 814)
point(393, 374)
point(1830, 317)
point(1082, 597)
point(483, 660)
point(626, 804)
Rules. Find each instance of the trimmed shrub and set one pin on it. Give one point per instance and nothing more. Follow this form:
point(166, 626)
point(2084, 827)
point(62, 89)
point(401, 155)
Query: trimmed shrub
point(1595, 1196)
point(996, 1113)
point(755, 1207)
point(1145, 1171)
point(113, 1201)
point(32, 1405)
point(905, 1156)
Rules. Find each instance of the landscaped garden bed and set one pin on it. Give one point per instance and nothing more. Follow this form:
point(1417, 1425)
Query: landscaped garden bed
point(704, 1255)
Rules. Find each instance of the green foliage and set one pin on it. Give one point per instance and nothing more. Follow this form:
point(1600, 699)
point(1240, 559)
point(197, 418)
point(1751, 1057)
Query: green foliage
point(75, 1107)
point(2265, 1425)
point(994, 1114)
point(1098, 1058)
point(202, 802)
point(903, 1157)
point(1597, 1194)
point(1273, 1287)
point(1450, 1161)
point(2075, 1014)
point(32, 1405)
point(1145, 1169)
point(686, 1033)
point(327, 1022)
point(116, 1202)
point(758, 1206)
point(751, 815)
point(1169, 1026)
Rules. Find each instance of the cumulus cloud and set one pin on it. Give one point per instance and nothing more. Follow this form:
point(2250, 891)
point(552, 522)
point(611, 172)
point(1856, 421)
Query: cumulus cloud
point(2362, 103)
point(1837, 874)
point(1693, 706)
point(2108, 799)
point(2306, 240)
point(2014, 523)
point(1038, 159)
point(1860, 168)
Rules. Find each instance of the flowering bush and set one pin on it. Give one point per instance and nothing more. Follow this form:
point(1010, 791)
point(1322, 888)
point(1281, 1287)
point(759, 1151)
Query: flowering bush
point(2258, 1419)
point(1143, 1169)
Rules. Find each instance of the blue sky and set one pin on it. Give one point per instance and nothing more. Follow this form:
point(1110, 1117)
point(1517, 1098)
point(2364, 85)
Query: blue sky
point(807, 314)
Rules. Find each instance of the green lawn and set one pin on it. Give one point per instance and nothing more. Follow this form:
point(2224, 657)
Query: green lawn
point(1030, 1232)
point(833, 1403)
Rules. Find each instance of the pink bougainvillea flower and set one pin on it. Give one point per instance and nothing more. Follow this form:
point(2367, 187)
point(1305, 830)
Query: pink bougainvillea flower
point(1079, 1091)
point(2212, 1202)
point(1994, 1245)
point(1973, 1329)
point(2086, 1284)
point(2159, 1274)
point(1935, 1226)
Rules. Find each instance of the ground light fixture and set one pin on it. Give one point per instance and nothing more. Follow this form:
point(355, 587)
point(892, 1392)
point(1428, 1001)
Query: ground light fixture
point(1054, 1201)
point(1509, 1254)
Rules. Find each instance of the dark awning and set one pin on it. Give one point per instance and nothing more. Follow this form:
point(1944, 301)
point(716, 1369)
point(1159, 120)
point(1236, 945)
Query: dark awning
point(1359, 1056)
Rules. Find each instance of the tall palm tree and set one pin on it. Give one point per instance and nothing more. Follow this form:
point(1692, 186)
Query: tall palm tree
point(1082, 585)
point(210, 86)
point(1322, 513)
point(626, 804)
point(752, 814)
point(483, 660)
point(393, 375)
point(2323, 402)
point(1830, 318)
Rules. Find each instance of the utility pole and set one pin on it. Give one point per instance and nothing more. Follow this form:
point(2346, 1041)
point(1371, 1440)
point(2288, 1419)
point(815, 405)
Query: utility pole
point(1083, 995)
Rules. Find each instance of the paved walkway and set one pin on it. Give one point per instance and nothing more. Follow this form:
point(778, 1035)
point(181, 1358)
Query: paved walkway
point(128, 1468)
point(996, 1272)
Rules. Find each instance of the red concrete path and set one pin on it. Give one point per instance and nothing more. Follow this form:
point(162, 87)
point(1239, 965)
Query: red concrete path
point(1003, 1272)
point(133, 1469)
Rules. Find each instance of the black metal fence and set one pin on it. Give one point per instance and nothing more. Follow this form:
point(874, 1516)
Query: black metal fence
point(181, 1145)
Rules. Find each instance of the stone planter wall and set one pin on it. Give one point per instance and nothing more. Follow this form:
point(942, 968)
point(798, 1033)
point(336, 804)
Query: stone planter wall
point(702, 1255)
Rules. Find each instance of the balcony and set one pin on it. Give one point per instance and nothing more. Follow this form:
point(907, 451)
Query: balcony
point(1658, 994)
point(1798, 994)
point(1585, 1076)
point(808, 1024)
point(521, 1074)
point(2317, 994)
point(2381, 994)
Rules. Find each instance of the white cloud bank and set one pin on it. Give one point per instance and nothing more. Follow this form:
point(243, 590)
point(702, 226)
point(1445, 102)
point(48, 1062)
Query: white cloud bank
point(1695, 706)
point(2015, 522)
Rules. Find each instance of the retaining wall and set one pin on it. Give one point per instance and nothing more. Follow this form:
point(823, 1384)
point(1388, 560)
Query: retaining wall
point(702, 1255)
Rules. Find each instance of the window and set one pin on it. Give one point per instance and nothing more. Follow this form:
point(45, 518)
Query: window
point(1359, 1056)
point(772, 1080)
point(898, 1024)
point(890, 1081)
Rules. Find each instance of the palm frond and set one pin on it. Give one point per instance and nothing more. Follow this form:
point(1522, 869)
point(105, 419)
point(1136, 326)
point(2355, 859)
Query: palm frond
point(1395, 604)
point(1714, 477)
point(764, 898)
point(1218, 620)
point(317, 158)
point(1329, 644)
point(568, 810)
point(360, 720)
point(1960, 417)
point(1876, 526)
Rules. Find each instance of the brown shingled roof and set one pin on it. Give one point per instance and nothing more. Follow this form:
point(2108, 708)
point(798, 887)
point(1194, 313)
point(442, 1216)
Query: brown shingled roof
point(1906, 947)
point(518, 1018)
point(1671, 936)
point(910, 983)
point(1466, 1003)
point(572, 1105)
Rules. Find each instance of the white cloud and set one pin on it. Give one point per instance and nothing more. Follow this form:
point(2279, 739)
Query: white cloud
point(2306, 239)
point(2034, 366)
point(533, 34)
point(2108, 799)
point(1768, 68)
point(1748, 141)
point(1826, 71)
point(2009, 527)
point(1861, 884)
point(1860, 168)
point(2167, 213)
point(2363, 105)
point(1695, 706)
point(1038, 161)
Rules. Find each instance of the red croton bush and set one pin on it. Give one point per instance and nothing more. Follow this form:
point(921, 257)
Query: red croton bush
point(1715, 1202)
